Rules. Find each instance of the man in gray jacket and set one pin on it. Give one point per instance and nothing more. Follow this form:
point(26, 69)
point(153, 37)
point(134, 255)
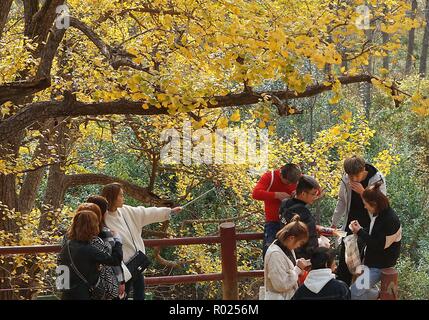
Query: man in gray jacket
point(358, 175)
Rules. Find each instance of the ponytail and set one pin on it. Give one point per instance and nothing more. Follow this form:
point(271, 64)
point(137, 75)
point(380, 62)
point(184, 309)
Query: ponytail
point(294, 228)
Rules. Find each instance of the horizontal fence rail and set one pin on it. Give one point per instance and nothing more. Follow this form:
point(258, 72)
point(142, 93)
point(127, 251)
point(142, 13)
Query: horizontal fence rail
point(229, 276)
point(227, 239)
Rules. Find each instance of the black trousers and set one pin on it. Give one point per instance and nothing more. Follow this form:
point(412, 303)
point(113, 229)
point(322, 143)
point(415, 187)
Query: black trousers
point(343, 272)
point(138, 287)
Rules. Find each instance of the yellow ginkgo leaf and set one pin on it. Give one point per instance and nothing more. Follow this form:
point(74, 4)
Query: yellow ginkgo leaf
point(346, 116)
point(334, 100)
point(235, 116)
point(222, 123)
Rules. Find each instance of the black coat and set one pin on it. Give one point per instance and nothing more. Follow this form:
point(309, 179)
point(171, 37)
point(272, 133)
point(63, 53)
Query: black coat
point(376, 256)
point(333, 290)
point(299, 207)
point(87, 259)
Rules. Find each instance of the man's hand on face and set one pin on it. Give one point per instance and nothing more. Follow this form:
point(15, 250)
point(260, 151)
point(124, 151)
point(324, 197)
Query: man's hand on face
point(357, 187)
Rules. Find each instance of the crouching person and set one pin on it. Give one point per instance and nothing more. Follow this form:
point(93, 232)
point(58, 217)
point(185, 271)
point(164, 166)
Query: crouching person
point(382, 242)
point(320, 283)
point(281, 268)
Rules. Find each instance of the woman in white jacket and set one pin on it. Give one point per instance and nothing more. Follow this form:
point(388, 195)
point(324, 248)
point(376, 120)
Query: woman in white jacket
point(128, 222)
point(281, 268)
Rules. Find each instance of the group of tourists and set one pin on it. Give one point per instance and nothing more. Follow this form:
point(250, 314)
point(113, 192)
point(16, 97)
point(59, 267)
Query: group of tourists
point(104, 237)
point(296, 265)
point(105, 252)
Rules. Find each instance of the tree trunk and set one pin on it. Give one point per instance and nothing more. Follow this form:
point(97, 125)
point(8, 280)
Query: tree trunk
point(54, 196)
point(385, 39)
point(411, 39)
point(8, 202)
point(386, 58)
point(56, 185)
point(366, 87)
point(424, 54)
point(4, 13)
point(30, 186)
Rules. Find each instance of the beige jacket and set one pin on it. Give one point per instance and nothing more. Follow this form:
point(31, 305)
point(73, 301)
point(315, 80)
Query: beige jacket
point(280, 275)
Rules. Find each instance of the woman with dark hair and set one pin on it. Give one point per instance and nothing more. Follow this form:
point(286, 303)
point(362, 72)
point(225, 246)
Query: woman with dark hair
point(128, 222)
point(382, 242)
point(281, 268)
point(82, 258)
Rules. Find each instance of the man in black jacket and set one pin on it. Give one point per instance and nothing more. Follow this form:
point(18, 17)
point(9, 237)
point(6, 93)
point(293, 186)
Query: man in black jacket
point(307, 191)
point(320, 283)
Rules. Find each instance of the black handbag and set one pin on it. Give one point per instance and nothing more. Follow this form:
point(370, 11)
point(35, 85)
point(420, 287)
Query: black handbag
point(139, 261)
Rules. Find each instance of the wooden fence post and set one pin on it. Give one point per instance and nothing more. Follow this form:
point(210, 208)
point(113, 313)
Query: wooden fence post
point(229, 261)
point(389, 284)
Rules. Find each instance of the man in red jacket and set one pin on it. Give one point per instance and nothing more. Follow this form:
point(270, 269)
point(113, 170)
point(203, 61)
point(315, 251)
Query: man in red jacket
point(273, 187)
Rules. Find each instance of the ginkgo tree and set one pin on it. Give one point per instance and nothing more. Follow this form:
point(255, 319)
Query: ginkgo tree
point(108, 60)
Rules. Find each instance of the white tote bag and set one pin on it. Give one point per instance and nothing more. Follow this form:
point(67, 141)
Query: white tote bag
point(352, 255)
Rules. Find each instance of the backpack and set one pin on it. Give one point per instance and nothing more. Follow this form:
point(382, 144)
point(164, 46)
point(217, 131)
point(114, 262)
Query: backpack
point(287, 214)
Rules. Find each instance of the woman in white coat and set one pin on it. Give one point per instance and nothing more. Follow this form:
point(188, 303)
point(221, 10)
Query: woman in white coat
point(281, 268)
point(128, 222)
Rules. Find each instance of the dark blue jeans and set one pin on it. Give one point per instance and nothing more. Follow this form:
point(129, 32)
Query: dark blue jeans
point(270, 231)
point(138, 287)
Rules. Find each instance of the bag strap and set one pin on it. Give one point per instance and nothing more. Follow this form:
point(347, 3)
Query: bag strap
point(129, 230)
point(272, 180)
point(74, 266)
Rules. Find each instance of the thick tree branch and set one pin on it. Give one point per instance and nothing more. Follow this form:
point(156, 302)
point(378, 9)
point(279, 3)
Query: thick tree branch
point(12, 90)
point(71, 108)
point(49, 52)
point(30, 9)
point(139, 193)
point(43, 20)
point(20, 89)
point(117, 56)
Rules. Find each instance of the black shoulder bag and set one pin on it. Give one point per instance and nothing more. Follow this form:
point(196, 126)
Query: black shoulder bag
point(139, 261)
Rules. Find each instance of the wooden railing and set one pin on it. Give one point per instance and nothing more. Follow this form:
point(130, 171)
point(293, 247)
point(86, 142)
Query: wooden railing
point(227, 239)
point(229, 276)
